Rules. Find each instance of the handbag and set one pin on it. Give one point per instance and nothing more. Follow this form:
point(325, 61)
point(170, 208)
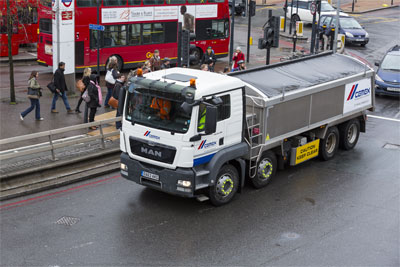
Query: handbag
point(86, 96)
point(80, 85)
point(113, 102)
point(109, 77)
point(52, 86)
point(33, 93)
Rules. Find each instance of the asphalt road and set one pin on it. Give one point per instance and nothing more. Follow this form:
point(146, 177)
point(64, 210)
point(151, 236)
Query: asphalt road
point(344, 212)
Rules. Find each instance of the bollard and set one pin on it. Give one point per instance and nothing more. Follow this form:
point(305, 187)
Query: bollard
point(251, 40)
point(282, 24)
point(299, 28)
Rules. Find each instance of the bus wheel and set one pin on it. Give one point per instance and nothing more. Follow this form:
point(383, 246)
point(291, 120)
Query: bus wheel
point(329, 145)
point(225, 187)
point(266, 169)
point(195, 56)
point(349, 133)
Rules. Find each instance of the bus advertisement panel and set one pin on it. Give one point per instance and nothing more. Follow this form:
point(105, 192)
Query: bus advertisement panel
point(135, 28)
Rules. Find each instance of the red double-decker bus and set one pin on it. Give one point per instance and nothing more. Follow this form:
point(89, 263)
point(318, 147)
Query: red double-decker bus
point(25, 24)
point(135, 28)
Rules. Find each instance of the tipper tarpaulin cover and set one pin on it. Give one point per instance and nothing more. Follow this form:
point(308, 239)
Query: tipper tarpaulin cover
point(302, 74)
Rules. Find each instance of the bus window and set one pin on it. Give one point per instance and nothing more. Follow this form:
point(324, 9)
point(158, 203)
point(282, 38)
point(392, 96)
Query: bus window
point(153, 33)
point(46, 3)
point(172, 29)
point(212, 29)
point(86, 3)
point(114, 2)
point(175, 2)
point(134, 34)
point(153, 2)
point(197, 1)
point(114, 35)
point(134, 2)
point(216, 1)
point(45, 26)
point(94, 37)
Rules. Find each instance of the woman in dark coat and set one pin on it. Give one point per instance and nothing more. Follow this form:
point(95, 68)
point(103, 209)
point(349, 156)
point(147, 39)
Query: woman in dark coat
point(93, 104)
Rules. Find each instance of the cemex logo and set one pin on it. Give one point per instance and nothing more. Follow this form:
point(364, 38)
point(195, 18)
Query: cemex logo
point(66, 3)
point(354, 93)
point(204, 144)
point(149, 135)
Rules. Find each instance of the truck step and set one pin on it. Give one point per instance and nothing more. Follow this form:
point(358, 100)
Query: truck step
point(202, 172)
point(254, 136)
point(255, 125)
point(202, 198)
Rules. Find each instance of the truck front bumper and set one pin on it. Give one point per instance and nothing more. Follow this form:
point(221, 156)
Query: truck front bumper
point(162, 179)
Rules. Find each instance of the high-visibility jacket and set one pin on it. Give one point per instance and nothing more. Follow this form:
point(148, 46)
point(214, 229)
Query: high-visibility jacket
point(202, 121)
point(164, 106)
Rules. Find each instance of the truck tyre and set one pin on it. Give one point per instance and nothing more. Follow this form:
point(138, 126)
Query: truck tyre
point(349, 133)
point(225, 187)
point(266, 169)
point(329, 145)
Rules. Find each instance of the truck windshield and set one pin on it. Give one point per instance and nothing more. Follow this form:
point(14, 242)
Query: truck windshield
point(157, 110)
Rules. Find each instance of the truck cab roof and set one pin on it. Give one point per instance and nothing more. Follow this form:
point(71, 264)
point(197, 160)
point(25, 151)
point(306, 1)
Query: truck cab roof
point(207, 83)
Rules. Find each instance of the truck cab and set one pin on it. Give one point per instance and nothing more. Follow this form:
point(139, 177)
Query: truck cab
point(180, 128)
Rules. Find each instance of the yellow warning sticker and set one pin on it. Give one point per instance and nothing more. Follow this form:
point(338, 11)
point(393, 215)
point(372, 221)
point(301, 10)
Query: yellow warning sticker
point(308, 151)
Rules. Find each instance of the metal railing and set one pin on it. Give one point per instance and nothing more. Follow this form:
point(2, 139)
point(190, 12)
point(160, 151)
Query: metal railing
point(51, 145)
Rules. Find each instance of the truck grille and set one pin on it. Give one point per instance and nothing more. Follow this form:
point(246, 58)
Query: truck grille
point(151, 150)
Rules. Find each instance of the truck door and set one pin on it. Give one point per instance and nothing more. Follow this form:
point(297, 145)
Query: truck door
point(228, 130)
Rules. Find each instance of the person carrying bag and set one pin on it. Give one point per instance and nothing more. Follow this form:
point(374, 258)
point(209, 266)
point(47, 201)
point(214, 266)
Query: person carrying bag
point(34, 94)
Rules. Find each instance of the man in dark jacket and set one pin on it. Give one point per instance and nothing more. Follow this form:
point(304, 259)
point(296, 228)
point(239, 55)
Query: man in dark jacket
point(119, 83)
point(209, 58)
point(61, 89)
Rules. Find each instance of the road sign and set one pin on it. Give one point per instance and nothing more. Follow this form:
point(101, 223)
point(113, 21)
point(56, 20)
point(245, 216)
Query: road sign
point(313, 8)
point(96, 27)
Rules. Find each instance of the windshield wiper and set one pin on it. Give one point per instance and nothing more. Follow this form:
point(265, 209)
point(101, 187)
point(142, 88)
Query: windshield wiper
point(393, 69)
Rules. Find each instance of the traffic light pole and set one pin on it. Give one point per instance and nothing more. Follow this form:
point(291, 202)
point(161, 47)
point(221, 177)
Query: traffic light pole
point(98, 38)
point(179, 60)
point(248, 36)
point(268, 55)
point(232, 32)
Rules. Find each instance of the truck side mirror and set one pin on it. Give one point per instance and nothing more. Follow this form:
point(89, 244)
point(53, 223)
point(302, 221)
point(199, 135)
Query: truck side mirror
point(211, 120)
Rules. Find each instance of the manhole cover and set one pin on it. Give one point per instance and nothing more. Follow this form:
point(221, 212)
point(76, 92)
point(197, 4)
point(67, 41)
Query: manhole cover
point(391, 146)
point(66, 220)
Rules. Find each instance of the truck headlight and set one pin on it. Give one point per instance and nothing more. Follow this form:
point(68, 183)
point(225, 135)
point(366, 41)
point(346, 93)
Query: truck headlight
point(366, 35)
point(378, 78)
point(124, 167)
point(184, 183)
point(349, 34)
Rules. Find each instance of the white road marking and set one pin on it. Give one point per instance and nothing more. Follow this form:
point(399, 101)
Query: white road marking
point(383, 118)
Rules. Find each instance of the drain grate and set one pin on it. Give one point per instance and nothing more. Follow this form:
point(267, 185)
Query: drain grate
point(391, 146)
point(66, 220)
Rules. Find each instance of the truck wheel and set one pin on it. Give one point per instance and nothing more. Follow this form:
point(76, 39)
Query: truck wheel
point(295, 18)
point(266, 169)
point(349, 133)
point(225, 187)
point(329, 145)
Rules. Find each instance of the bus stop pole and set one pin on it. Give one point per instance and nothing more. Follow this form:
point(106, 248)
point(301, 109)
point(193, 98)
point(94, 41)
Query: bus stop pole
point(248, 37)
point(98, 38)
point(232, 32)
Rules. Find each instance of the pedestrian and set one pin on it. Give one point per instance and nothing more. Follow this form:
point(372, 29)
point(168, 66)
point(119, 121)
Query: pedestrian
point(111, 76)
point(238, 55)
point(241, 66)
point(61, 89)
point(166, 63)
point(204, 67)
point(147, 66)
point(34, 94)
point(209, 58)
point(117, 88)
point(155, 61)
point(85, 81)
point(93, 104)
point(188, 20)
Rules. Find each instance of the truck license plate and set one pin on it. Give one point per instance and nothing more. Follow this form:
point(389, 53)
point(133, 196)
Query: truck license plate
point(151, 175)
point(359, 40)
point(393, 89)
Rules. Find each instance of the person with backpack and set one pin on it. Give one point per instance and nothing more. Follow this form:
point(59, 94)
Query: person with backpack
point(209, 58)
point(93, 92)
point(33, 94)
point(85, 81)
point(61, 89)
point(111, 76)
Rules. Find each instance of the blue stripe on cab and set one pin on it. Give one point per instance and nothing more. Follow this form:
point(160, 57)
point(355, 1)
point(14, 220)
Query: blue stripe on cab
point(203, 160)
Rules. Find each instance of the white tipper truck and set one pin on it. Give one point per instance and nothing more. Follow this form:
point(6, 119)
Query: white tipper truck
point(195, 133)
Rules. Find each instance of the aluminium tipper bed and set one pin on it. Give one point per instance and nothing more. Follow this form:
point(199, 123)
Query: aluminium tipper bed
point(304, 73)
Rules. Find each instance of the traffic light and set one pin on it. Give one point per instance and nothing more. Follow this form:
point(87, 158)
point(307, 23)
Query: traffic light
point(186, 47)
point(271, 34)
point(252, 8)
